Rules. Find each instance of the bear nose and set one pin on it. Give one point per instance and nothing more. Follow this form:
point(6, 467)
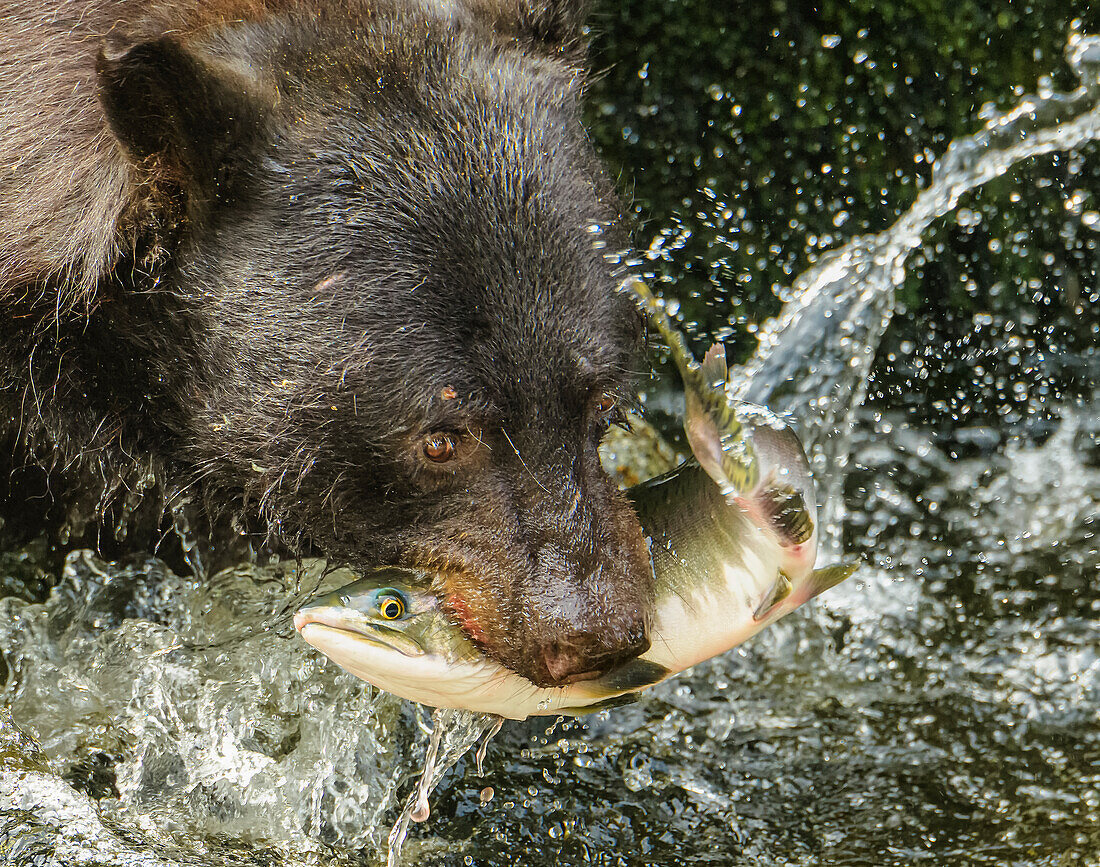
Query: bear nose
point(586, 657)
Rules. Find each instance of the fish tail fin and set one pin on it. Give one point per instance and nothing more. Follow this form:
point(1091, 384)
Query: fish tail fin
point(657, 316)
point(822, 579)
point(714, 368)
point(713, 428)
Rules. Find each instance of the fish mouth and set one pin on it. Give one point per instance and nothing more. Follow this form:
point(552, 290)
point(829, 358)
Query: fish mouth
point(360, 628)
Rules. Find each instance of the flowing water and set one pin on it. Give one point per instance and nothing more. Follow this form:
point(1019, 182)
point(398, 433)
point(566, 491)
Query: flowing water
point(941, 708)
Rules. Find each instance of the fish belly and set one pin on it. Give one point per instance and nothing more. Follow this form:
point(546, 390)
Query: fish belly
point(717, 616)
point(478, 685)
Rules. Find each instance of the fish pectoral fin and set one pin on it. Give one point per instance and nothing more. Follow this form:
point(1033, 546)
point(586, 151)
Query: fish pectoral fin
point(780, 591)
point(714, 368)
point(822, 579)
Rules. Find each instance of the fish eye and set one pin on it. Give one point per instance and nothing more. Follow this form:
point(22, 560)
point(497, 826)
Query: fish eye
point(390, 606)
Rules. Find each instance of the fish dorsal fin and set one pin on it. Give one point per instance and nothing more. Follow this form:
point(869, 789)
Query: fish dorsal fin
point(822, 579)
point(738, 462)
point(780, 591)
point(696, 382)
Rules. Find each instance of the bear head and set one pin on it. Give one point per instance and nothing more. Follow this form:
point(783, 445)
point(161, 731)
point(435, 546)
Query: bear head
point(367, 293)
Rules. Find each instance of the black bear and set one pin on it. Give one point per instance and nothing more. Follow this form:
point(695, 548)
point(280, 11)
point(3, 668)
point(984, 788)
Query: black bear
point(341, 273)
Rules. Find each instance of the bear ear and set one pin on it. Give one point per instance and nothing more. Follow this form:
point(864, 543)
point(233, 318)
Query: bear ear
point(557, 26)
point(176, 111)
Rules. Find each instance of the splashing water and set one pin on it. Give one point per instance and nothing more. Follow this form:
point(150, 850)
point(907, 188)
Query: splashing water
point(453, 733)
point(813, 360)
point(178, 704)
point(150, 719)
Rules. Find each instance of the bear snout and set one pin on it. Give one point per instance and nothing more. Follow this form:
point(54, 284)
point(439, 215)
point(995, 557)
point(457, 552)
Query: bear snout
point(551, 628)
point(574, 630)
point(556, 608)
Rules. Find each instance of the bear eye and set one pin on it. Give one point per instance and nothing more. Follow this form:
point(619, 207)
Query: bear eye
point(607, 412)
point(439, 448)
point(390, 607)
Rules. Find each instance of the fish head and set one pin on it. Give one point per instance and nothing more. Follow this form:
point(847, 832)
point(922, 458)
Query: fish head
point(389, 629)
point(383, 623)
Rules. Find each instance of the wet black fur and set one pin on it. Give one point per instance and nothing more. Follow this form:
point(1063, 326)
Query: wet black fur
point(328, 215)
